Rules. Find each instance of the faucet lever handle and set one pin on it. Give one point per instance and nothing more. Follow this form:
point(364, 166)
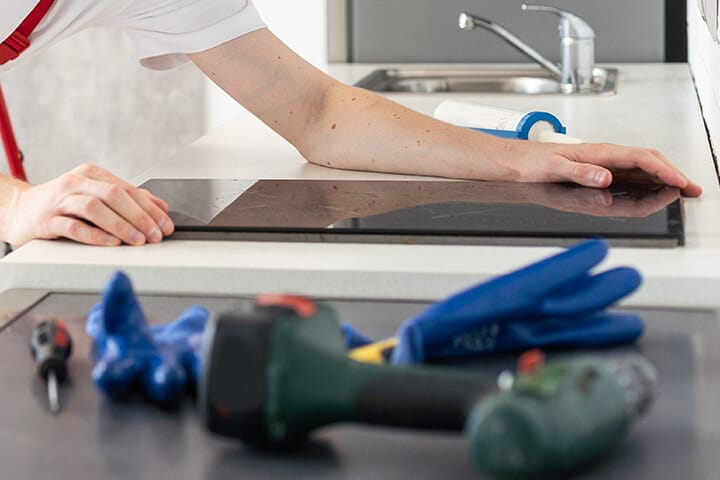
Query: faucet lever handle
point(571, 25)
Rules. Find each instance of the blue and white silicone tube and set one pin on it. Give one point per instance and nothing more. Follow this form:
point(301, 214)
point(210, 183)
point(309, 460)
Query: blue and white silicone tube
point(534, 126)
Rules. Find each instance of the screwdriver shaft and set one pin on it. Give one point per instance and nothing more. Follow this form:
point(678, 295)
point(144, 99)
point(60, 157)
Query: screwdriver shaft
point(52, 385)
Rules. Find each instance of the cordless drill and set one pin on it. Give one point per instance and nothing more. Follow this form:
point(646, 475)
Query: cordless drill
point(273, 375)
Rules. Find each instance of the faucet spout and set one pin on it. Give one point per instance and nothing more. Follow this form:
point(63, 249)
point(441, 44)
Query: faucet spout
point(467, 21)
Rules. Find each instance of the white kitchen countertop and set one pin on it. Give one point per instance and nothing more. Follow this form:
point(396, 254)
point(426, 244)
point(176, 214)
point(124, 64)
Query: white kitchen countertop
point(656, 106)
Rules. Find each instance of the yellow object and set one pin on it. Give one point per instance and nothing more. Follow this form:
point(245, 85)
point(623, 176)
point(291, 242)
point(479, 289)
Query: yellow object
point(377, 352)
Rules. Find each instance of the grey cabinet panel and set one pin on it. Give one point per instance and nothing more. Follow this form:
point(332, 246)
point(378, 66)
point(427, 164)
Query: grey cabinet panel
point(426, 30)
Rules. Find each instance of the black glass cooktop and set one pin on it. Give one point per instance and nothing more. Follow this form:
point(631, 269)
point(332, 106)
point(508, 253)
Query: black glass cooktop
point(442, 211)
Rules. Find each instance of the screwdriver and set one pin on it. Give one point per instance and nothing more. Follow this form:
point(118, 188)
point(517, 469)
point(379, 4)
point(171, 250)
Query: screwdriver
point(51, 346)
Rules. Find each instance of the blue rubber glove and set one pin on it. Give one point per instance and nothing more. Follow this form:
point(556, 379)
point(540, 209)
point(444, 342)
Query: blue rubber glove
point(554, 302)
point(162, 359)
point(353, 338)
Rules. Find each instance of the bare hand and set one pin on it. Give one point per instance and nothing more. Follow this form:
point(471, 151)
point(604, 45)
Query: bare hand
point(89, 205)
point(597, 165)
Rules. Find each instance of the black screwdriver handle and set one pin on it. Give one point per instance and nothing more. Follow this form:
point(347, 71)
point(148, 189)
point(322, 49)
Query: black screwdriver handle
point(51, 346)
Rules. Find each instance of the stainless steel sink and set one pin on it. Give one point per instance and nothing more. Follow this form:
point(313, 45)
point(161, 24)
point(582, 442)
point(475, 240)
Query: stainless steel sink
point(517, 81)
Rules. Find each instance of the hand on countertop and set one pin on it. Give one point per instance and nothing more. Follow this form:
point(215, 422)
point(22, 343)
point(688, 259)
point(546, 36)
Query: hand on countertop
point(89, 205)
point(596, 165)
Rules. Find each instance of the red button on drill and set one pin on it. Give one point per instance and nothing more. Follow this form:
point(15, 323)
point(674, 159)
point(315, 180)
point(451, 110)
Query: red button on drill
point(61, 339)
point(303, 306)
point(530, 361)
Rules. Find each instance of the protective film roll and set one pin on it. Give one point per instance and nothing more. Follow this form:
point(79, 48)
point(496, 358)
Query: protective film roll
point(536, 126)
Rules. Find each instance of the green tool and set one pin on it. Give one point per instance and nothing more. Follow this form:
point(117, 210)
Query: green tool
point(273, 375)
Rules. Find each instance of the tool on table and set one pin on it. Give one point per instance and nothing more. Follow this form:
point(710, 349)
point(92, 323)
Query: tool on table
point(536, 126)
point(556, 302)
point(558, 416)
point(273, 375)
point(51, 346)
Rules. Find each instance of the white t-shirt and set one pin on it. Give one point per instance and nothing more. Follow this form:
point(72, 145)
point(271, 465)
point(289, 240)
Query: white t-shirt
point(163, 31)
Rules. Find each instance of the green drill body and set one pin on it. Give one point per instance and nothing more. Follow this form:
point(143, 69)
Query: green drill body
point(558, 417)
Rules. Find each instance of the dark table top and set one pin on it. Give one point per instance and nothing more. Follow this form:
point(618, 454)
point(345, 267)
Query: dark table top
point(95, 438)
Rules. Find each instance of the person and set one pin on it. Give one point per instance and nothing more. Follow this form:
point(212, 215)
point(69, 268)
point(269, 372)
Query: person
point(330, 123)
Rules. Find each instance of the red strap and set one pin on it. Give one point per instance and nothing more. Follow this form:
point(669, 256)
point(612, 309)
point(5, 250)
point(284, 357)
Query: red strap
point(14, 156)
point(19, 41)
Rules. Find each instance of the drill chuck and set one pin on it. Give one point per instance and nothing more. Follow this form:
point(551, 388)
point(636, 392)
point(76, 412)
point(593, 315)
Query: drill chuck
point(638, 378)
point(233, 387)
point(562, 417)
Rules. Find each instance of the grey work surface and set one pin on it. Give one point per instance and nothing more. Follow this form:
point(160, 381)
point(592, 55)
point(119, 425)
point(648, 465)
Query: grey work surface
point(96, 438)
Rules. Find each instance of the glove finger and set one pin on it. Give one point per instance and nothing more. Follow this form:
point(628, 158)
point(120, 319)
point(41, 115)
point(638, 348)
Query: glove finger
point(594, 293)
point(115, 376)
point(353, 337)
point(120, 306)
point(189, 355)
point(181, 340)
point(95, 325)
point(191, 322)
point(410, 348)
point(600, 330)
point(193, 319)
point(516, 292)
point(552, 273)
point(164, 380)
point(191, 362)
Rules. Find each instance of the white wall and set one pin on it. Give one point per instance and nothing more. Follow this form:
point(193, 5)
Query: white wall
point(302, 25)
point(87, 100)
point(704, 58)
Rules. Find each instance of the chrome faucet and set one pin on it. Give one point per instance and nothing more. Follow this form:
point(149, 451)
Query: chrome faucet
point(577, 44)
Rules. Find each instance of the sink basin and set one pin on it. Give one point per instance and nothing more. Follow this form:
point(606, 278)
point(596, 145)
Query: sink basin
point(517, 81)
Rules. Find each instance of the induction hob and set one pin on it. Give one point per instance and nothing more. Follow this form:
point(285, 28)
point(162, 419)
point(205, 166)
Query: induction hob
point(421, 211)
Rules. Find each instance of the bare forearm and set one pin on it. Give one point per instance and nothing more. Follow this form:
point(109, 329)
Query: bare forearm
point(363, 131)
point(268, 79)
point(339, 126)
